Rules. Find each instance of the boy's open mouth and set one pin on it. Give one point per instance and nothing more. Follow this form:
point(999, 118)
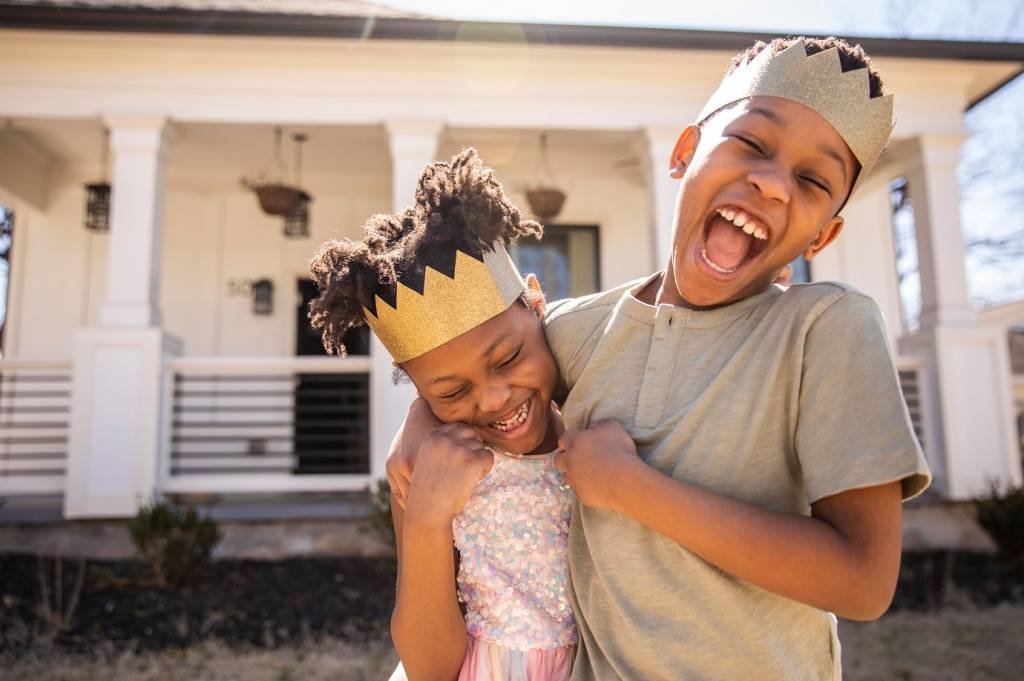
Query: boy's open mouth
point(732, 238)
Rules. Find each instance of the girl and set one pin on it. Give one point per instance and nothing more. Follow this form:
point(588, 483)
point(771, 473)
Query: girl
point(438, 288)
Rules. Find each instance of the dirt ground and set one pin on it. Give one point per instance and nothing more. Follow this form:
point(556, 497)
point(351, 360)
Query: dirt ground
point(954, 644)
point(328, 619)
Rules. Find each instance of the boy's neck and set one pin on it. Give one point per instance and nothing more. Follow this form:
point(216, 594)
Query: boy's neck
point(662, 291)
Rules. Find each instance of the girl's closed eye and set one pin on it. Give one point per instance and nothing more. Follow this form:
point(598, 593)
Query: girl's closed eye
point(454, 395)
point(510, 358)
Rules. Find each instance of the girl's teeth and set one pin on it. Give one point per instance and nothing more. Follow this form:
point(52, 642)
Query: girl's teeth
point(740, 220)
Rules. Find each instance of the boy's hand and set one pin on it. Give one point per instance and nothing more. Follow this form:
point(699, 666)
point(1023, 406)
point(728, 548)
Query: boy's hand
point(419, 423)
point(449, 464)
point(595, 461)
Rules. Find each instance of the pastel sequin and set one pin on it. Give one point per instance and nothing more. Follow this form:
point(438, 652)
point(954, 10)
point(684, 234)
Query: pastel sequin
point(513, 539)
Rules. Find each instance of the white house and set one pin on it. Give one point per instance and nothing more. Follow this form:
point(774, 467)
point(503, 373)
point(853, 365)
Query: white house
point(139, 361)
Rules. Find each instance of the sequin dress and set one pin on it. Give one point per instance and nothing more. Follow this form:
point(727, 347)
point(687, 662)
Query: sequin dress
point(513, 541)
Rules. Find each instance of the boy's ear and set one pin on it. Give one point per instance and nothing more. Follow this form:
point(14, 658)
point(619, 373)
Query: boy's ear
point(682, 152)
point(537, 301)
point(826, 236)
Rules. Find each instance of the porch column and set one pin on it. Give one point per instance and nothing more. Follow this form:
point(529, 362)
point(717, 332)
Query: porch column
point(660, 142)
point(967, 365)
point(118, 378)
point(413, 145)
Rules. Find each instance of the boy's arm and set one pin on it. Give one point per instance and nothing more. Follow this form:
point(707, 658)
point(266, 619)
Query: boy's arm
point(844, 558)
point(852, 441)
point(419, 423)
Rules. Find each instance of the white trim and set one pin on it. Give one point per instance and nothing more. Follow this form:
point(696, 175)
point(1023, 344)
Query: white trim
point(26, 485)
point(264, 483)
point(271, 365)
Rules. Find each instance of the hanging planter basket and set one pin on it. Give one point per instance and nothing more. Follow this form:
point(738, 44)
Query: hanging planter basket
point(545, 202)
point(275, 199)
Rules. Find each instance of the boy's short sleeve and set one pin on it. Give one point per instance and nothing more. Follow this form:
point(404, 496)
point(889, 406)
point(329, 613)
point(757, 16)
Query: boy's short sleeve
point(853, 429)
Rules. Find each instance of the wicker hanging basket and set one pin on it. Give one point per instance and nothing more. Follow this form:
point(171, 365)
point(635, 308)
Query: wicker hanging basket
point(545, 202)
point(275, 199)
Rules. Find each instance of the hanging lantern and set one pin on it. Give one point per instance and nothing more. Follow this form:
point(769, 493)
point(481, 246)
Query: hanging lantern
point(263, 298)
point(296, 222)
point(97, 196)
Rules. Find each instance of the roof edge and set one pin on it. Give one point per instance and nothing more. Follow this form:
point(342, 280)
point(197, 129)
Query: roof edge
point(204, 22)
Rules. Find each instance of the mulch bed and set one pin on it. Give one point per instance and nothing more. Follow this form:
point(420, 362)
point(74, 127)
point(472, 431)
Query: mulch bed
point(245, 603)
point(270, 604)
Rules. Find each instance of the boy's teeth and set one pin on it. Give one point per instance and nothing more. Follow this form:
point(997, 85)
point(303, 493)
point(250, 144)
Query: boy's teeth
point(745, 222)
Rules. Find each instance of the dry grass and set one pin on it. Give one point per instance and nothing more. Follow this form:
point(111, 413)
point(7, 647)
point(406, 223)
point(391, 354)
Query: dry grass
point(955, 644)
point(334, 660)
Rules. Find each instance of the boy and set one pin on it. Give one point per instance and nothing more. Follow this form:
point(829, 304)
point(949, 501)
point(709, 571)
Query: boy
point(739, 452)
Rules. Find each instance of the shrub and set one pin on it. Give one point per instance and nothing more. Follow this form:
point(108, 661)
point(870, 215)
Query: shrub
point(1001, 513)
point(175, 541)
point(381, 524)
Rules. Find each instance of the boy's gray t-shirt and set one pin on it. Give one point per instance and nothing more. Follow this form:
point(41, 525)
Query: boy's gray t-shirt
point(778, 400)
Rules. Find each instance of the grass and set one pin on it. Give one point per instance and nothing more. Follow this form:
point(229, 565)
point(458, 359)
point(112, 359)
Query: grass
point(954, 644)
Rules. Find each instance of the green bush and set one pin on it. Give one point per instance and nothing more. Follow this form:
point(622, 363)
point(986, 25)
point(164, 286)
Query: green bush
point(381, 524)
point(175, 541)
point(1001, 513)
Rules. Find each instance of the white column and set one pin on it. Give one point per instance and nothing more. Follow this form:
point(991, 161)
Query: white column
point(968, 366)
point(117, 413)
point(413, 145)
point(660, 142)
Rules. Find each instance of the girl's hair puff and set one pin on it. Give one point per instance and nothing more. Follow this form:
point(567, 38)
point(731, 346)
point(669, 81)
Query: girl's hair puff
point(458, 204)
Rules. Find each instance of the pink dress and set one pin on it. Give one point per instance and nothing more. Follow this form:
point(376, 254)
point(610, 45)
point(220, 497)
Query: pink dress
point(513, 541)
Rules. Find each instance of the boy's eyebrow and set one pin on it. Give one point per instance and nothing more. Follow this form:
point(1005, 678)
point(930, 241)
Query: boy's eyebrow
point(832, 153)
point(489, 350)
point(767, 113)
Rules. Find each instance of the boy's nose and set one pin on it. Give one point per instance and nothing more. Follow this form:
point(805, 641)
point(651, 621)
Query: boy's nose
point(771, 185)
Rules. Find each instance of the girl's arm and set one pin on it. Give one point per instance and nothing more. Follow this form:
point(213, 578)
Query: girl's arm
point(427, 626)
point(844, 558)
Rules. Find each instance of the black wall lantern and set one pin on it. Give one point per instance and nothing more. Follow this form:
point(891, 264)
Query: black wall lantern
point(296, 221)
point(263, 297)
point(97, 196)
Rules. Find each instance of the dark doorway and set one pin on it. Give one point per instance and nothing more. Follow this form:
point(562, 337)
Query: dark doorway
point(332, 411)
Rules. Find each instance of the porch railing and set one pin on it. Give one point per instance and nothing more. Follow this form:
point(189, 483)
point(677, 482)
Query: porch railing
point(911, 382)
point(35, 406)
point(266, 425)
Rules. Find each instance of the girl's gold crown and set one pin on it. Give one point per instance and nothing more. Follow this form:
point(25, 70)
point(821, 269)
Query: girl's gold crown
point(479, 288)
point(819, 82)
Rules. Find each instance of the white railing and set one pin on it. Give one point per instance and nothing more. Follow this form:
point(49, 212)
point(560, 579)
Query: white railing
point(259, 425)
point(35, 404)
point(915, 394)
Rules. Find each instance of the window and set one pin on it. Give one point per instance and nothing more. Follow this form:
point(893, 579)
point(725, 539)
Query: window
point(801, 270)
point(6, 235)
point(904, 234)
point(566, 261)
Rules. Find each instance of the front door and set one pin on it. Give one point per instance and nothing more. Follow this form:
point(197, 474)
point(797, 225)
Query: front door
point(331, 423)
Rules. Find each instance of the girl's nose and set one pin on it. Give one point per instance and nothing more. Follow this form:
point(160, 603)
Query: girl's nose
point(495, 397)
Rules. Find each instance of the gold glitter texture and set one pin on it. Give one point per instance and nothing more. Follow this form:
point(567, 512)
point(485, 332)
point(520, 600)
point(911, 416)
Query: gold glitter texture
point(449, 306)
point(818, 82)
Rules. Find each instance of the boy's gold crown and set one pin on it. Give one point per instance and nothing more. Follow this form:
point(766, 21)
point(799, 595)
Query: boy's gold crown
point(816, 81)
point(449, 306)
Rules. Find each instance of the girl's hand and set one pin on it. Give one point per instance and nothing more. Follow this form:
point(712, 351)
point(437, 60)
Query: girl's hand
point(419, 423)
point(596, 460)
point(449, 464)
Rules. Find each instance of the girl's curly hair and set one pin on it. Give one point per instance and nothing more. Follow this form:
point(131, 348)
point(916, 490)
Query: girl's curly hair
point(458, 205)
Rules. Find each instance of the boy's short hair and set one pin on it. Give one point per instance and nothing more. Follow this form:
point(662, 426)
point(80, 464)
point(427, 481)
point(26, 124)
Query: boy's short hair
point(851, 57)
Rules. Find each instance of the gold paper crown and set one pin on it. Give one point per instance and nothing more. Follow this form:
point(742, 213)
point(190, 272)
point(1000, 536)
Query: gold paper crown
point(449, 305)
point(819, 82)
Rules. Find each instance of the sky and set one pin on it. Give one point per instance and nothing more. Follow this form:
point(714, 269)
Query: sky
point(980, 19)
point(998, 20)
